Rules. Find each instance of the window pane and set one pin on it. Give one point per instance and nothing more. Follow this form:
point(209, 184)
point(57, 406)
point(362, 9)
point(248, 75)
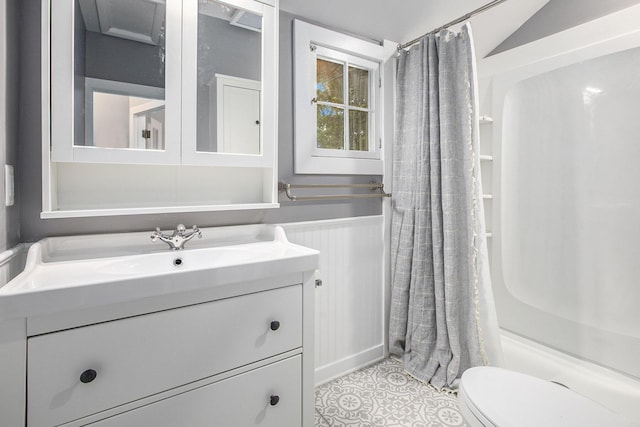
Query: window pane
point(358, 87)
point(358, 130)
point(330, 81)
point(330, 127)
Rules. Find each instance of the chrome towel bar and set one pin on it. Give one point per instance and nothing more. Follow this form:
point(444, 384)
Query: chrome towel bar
point(286, 188)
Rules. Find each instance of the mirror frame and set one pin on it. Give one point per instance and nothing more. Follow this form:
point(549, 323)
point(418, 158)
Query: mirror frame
point(268, 95)
point(180, 91)
point(62, 80)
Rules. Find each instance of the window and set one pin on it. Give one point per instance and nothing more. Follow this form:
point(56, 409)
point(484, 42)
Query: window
point(345, 101)
point(337, 103)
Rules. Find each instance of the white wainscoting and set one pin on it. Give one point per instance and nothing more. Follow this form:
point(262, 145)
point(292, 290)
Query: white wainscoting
point(349, 305)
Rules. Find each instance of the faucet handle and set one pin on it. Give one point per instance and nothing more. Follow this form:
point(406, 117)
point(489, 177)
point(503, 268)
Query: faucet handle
point(178, 238)
point(156, 234)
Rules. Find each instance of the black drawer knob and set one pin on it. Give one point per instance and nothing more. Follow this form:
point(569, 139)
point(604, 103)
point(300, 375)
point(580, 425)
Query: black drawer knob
point(273, 400)
point(275, 325)
point(88, 376)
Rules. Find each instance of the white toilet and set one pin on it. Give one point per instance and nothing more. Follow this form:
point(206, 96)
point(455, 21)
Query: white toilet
point(490, 397)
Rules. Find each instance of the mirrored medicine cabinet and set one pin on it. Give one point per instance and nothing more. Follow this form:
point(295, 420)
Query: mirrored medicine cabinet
point(158, 106)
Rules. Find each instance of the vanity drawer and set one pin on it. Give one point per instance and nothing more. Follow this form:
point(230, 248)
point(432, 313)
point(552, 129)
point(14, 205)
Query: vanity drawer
point(139, 356)
point(245, 400)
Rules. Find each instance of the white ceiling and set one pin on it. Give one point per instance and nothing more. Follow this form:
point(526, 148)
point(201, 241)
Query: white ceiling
point(404, 20)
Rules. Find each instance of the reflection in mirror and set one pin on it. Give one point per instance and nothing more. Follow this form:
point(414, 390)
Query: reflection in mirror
point(119, 63)
point(123, 115)
point(229, 76)
point(147, 129)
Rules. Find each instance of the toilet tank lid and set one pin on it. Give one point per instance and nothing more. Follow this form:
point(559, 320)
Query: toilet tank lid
point(509, 398)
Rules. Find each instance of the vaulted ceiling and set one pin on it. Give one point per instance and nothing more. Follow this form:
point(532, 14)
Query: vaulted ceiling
point(404, 20)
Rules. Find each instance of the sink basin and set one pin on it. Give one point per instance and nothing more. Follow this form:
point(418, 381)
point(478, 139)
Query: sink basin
point(67, 272)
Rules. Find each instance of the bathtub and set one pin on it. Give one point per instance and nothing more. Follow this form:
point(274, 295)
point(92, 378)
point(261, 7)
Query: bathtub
point(565, 257)
point(616, 391)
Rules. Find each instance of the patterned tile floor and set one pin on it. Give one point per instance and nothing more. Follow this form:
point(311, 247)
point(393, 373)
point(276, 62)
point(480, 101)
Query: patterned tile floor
point(384, 395)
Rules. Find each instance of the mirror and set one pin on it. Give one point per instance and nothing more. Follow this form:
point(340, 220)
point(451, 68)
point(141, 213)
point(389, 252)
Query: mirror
point(120, 62)
point(229, 74)
point(157, 105)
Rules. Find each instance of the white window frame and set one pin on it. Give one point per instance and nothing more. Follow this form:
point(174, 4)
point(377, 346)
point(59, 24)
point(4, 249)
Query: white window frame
point(311, 42)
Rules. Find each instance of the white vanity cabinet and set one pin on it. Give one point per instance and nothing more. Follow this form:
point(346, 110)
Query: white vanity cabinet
point(81, 371)
point(225, 337)
point(267, 397)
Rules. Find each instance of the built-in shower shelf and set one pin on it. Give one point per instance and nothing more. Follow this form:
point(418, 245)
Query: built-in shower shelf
point(488, 235)
point(486, 158)
point(487, 196)
point(484, 119)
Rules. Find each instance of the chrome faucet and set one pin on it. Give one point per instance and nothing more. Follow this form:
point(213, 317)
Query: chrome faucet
point(178, 238)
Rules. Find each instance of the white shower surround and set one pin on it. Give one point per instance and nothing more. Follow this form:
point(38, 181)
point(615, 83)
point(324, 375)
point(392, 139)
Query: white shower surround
point(594, 185)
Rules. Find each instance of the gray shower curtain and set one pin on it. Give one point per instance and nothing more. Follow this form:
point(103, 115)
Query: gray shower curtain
point(442, 314)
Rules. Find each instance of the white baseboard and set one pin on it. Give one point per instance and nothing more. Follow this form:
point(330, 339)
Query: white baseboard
point(349, 364)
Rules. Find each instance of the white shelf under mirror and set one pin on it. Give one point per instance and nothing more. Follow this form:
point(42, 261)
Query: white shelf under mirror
point(88, 189)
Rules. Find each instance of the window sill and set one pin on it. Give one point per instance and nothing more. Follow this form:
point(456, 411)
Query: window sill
point(306, 164)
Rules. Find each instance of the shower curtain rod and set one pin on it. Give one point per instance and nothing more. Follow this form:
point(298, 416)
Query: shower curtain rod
point(454, 22)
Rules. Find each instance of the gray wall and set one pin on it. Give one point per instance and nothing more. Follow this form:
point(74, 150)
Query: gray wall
point(560, 15)
point(9, 216)
point(33, 228)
